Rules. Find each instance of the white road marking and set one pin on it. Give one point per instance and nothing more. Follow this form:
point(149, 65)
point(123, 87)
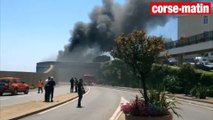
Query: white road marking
point(123, 100)
point(62, 104)
point(117, 112)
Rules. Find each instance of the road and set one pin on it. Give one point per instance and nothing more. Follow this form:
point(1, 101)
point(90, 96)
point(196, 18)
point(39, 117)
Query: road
point(190, 111)
point(8, 99)
point(100, 103)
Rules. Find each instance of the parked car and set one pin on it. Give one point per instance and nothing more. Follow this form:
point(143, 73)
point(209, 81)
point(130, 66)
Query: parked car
point(209, 55)
point(170, 61)
point(13, 85)
point(201, 60)
point(203, 63)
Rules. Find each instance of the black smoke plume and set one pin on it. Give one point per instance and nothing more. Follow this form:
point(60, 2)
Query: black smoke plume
point(88, 40)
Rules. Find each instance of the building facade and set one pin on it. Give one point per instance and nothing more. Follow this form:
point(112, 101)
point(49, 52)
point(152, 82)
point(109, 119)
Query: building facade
point(63, 71)
point(195, 38)
point(189, 25)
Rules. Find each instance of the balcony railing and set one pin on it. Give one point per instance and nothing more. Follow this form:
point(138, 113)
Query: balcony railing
point(184, 41)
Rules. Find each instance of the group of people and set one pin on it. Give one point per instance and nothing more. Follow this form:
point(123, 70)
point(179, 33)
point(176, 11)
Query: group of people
point(73, 84)
point(49, 89)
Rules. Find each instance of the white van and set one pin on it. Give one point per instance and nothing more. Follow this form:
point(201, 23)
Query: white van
point(209, 55)
point(201, 60)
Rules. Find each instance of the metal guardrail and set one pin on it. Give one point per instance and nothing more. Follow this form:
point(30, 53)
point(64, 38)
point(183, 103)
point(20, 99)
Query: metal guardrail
point(184, 41)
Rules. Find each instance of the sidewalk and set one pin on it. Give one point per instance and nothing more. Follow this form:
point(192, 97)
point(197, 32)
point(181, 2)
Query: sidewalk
point(29, 108)
point(208, 102)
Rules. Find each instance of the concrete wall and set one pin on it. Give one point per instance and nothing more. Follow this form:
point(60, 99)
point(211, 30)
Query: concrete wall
point(42, 67)
point(63, 71)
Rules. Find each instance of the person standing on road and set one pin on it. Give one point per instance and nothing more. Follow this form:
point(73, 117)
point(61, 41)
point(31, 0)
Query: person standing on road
point(72, 84)
point(80, 92)
point(47, 90)
point(76, 85)
point(51, 86)
point(40, 86)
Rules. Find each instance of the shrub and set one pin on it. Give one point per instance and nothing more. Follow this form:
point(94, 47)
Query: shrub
point(210, 91)
point(186, 75)
point(159, 105)
point(175, 79)
point(173, 84)
point(204, 77)
point(199, 91)
point(159, 72)
point(193, 91)
point(117, 73)
point(180, 80)
point(137, 108)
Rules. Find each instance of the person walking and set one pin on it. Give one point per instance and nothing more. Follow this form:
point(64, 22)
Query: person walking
point(40, 86)
point(76, 85)
point(80, 92)
point(72, 84)
point(51, 86)
point(47, 90)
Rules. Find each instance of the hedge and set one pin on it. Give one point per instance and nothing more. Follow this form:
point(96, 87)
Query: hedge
point(176, 79)
point(160, 71)
point(180, 79)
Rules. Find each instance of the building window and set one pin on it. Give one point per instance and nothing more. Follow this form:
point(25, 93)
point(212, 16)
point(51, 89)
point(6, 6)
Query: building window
point(205, 19)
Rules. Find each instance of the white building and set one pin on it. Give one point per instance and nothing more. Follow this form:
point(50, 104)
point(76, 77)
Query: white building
point(195, 37)
point(189, 25)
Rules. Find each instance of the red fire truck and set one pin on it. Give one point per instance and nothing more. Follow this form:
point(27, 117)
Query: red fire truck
point(89, 79)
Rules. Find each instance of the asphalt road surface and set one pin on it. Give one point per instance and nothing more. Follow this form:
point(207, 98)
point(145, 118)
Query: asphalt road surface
point(190, 111)
point(100, 103)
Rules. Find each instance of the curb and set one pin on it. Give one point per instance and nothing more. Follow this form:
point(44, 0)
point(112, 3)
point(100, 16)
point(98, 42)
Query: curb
point(194, 99)
point(121, 88)
point(202, 104)
point(137, 89)
point(117, 112)
point(118, 115)
point(46, 108)
point(42, 109)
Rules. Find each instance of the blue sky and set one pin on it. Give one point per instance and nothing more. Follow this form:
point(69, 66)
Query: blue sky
point(35, 30)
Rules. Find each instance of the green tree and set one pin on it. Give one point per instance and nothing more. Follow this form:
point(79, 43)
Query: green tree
point(118, 73)
point(138, 51)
